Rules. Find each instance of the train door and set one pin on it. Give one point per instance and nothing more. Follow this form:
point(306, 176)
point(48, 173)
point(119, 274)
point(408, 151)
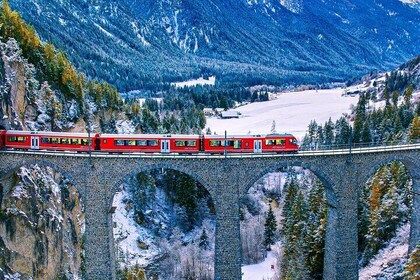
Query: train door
point(165, 146)
point(257, 146)
point(34, 142)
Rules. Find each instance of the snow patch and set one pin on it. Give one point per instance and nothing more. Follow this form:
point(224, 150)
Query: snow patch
point(104, 31)
point(138, 34)
point(200, 81)
point(62, 22)
point(295, 6)
point(125, 127)
point(262, 270)
point(19, 192)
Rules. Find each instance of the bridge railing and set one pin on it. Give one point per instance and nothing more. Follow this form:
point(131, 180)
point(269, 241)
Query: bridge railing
point(354, 147)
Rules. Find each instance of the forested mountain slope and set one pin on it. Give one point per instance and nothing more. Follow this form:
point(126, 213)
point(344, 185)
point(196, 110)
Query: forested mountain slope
point(133, 44)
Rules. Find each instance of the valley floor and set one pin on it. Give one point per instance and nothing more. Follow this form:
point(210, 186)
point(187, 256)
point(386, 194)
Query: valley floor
point(262, 270)
point(292, 111)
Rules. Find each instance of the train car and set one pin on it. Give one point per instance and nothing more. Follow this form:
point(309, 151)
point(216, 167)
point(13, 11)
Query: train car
point(49, 141)
point(149, 143)
point(278, 143)
point(215, 144)
point(2, 133)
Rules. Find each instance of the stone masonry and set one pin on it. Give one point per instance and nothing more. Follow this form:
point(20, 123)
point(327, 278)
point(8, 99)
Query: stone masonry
point(227, 180)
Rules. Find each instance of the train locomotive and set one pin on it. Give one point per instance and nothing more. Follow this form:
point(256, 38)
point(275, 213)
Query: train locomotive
point(148, 143)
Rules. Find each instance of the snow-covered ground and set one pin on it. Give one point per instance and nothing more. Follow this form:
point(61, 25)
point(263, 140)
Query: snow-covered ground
point(292, 112)
point(128, 234)
point(260, 271)
point(200, 81)
point(389, 261)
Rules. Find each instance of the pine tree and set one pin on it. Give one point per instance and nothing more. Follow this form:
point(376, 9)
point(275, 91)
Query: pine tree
point(317, 222)
point(366, 137)
point(386, 95)
point(273, 128)
point(270, 228)
point(290, 189)
point(329, 132)
point(223, 103)
point(342, 134)
point(412, 269)
point(395, 96)
point(320, 135)
point(414, 131)
point(359, 119)
point(204, 240)
point(408, 93)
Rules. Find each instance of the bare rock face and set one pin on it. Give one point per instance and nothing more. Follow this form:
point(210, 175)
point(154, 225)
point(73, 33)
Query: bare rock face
point(13, 89)
point(41, 226)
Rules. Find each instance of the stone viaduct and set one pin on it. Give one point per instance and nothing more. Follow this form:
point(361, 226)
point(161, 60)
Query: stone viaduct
point(227, 179)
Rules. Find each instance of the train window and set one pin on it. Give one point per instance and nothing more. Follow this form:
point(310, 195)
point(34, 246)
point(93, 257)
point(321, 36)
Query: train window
point(237, 144)
point(55, 141)
point(275, 142)
point(119, 142)
point(269, 142)
point(45, 140)
point(130, 142)
point(75, 141)
point(152, 142)
point(16, 139)
point(179, 143)
point(228, 143)
point(280, 142)
point(65, 141)
point(84, 142)
point(141, 142)
point(191, 143)
point(215, 143)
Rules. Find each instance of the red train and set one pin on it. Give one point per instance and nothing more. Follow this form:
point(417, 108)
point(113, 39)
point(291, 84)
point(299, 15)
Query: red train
point(148, 143)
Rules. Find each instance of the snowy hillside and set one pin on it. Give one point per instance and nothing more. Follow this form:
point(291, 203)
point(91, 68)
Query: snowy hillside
point(390, 261)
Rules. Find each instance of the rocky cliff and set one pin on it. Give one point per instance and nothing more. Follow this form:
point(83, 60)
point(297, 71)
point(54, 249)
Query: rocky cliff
point(41, 226)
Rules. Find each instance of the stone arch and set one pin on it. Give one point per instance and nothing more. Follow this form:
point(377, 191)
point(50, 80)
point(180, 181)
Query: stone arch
point(150, 167)
point(332, 234)
point(413, 168)
point(145, 168)
point(326, 180)
point(410, 163)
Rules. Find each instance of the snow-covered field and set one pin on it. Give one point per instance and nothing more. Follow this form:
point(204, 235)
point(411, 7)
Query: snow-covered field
point(261, 270)
point(200, 81)
point(292, 112)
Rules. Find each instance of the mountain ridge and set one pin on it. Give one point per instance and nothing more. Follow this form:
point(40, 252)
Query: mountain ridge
point(136, 44)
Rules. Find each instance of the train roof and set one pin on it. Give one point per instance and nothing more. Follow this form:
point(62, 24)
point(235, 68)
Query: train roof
point(150, 136)
point(140, 136)
point(48, 133)
point(249, 135)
